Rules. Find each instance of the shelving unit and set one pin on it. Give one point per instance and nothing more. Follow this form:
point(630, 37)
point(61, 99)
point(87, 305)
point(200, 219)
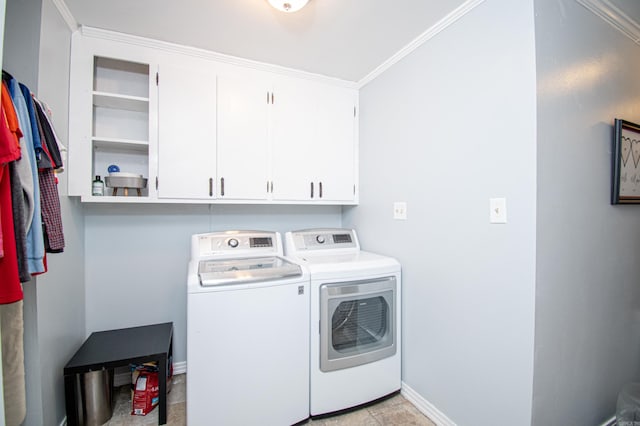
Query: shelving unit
point(120, 118)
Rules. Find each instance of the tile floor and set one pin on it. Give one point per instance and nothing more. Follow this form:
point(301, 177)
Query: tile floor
point(392, 411)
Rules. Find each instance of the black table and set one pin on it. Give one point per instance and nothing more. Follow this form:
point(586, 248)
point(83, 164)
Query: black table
point(115, 348)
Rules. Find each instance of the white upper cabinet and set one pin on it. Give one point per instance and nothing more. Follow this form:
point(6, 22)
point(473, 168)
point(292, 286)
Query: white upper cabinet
point(187, 128)
point(243, 134)
point(206, 128)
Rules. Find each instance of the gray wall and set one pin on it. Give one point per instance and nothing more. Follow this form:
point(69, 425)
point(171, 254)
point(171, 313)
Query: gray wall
point(60, 292)
point(445, 129)
point(587, 342)
point(22, 40)
point(137, 255)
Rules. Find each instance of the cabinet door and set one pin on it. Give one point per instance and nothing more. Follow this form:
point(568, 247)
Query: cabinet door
point(187, 128)
point(112, 106)
point(293, 138)
point(242, 143)
point(334, 148)
point(314, 154)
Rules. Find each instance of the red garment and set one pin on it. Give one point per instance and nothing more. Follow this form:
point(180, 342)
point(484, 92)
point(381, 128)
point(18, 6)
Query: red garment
point(9, 145)
point(10, 287)
point(8, 152)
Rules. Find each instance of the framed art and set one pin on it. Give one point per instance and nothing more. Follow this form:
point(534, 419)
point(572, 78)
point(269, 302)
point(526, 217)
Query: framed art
point(625, 182)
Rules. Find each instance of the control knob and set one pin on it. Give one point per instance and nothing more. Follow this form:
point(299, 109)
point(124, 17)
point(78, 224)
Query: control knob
point(233, 243)
point(320, 239)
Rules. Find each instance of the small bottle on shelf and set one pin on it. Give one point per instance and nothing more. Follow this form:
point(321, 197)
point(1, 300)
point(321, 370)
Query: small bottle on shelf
point(98, 187)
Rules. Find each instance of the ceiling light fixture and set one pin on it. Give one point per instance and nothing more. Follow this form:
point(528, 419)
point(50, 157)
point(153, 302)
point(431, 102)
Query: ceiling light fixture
point(288, 5)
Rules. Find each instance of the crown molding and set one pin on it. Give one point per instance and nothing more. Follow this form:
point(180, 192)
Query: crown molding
point(207, 54)
point(615, 17)
point(430, 33)
point(64, 11)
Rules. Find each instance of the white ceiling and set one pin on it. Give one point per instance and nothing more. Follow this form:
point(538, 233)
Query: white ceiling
point(346, 39)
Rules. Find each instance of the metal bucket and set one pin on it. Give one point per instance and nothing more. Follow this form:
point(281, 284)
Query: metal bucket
point(95, 397)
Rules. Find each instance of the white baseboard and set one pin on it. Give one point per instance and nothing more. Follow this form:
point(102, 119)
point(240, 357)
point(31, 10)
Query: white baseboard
point(425, 407)
point(180, 367)
point(124, 376)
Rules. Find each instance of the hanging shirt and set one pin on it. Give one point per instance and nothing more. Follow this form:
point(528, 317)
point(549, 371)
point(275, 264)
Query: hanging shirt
point(17, 204)
point(48, 136)
point(35, 240)
point(23, 165)
point(35, 134)
point(11, 134)
point(9, 150)
point(47, 115)
point(51, 215)
point(10, 288)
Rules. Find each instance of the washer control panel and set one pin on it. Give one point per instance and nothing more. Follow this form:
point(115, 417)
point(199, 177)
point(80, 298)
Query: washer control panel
point(236, 243)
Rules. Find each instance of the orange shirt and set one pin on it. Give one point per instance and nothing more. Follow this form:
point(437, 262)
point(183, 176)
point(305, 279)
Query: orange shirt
point(10, 132)
point(11, 116)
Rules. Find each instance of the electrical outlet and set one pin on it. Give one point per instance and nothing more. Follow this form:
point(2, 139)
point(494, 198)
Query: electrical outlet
point(400, 210)
point(497, 210)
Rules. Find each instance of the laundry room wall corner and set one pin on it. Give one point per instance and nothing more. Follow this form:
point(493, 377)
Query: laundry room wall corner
point(456, 128)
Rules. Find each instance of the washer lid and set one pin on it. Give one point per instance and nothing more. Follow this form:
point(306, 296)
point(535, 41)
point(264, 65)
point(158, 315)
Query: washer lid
point(240, 271)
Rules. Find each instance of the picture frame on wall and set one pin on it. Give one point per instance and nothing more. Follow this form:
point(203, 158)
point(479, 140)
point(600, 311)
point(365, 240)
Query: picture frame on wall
point(625, 182)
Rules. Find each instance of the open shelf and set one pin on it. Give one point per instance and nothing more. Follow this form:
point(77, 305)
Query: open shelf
point(118, 101)
point(120, 144)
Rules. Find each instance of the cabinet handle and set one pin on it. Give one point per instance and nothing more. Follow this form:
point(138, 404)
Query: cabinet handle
point(311, 189)
point(267, 97)
point(272, 187)
point(156, 183)
point(272, 101)
point(210, 187)
point(222, 186)
point(320, 189)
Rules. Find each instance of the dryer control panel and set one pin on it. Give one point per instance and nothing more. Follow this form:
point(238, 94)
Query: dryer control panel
point(322, 239)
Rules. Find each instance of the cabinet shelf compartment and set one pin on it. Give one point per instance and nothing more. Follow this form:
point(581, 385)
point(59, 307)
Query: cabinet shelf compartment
point(111, 123)
point(130, 157)
point(118, 77)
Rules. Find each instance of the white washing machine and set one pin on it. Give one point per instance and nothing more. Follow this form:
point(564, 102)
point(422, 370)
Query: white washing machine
point(355, 319)
point(247, 332)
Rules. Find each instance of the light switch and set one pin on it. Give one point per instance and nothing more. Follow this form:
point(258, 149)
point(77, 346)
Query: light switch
point(400, 210)
point(497, 210)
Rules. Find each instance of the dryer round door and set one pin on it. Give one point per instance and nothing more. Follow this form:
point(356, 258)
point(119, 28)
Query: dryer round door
point(357, 322)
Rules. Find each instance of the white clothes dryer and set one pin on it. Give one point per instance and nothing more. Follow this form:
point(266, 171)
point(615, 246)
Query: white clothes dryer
point(247, 332)
point(355, 319)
